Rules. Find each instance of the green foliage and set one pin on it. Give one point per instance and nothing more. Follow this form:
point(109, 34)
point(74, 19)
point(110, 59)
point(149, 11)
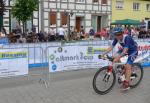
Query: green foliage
point(23, 9)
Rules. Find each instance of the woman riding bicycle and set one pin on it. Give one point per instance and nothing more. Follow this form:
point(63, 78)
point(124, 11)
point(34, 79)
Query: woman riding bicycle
point(130, 48)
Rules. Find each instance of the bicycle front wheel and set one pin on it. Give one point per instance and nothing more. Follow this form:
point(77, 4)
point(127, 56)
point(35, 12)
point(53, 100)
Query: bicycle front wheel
point(103, 82)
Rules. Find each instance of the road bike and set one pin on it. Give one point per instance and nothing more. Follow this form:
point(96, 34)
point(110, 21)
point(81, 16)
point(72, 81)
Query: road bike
point(105, 78)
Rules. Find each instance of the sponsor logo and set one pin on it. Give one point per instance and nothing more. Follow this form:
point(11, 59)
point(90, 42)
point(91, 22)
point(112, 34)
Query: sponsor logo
point(13, 55)
point(60, 49)
point(54, 66)
point(141, 48)
point(52, 57)
point(61, 58)
point(92, 50)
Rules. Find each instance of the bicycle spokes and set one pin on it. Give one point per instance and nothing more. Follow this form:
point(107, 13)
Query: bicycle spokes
point(106, 77)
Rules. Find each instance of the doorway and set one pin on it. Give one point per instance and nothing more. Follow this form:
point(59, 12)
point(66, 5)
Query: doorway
point(98, 23)
point(79, 23)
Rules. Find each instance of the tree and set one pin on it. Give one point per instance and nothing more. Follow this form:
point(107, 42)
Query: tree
point(2, 9)
point(23, 10)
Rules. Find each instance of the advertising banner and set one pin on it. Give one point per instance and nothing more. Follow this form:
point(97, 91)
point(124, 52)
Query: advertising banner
point(83, 57)
point(13, 62)
point(75, 57)
point(143, 53)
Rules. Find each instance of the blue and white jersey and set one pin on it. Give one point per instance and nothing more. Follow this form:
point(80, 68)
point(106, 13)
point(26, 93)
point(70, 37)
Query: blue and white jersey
point(127, 42)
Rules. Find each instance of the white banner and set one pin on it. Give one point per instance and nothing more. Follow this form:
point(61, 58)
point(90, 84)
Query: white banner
point(143, 52)
point(82, 57)
point(13, 62)
point(75, 57)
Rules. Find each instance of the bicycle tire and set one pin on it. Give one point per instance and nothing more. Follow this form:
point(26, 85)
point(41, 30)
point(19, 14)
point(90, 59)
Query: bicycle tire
point(94, 81)
point(141, 77)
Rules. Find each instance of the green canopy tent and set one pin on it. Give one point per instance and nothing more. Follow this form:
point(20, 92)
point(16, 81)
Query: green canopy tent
point(126, 22)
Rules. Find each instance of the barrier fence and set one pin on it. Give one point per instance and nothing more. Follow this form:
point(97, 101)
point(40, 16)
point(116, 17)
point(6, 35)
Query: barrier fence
point(15, 62)
point(35, 61)
point(35, 50)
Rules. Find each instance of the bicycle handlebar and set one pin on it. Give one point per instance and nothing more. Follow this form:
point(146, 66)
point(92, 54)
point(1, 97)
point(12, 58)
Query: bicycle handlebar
point(106, 57)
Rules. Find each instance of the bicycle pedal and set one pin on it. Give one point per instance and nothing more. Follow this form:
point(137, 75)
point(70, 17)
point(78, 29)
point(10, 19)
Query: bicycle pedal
point(133, 77)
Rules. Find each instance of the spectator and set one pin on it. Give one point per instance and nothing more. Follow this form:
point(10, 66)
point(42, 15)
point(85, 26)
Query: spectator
point(4, 31)
point(46, 36)
point(98, 34)
point(77, 35)
point(111, 34)
point(104, 34)
point(22, 39)
point(148, 32)
point(126, 32)
point(142, 33)
point(72, 33)
point(136, 32)
point(51, 35)
point(82, 33)
point(41, 36)
point(133, 32)
point(33, 29)
point(18, 29)
point(91, 33)
point(143, 25)
point(61, 33)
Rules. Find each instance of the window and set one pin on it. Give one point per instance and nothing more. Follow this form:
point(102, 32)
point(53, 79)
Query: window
point(95, 1)
point(136, 6)
point(80, 1)
point(63, 18)
point(119, 4)
point(52, 18)
point(148, 7)
point(63, 0)
point(104, 2)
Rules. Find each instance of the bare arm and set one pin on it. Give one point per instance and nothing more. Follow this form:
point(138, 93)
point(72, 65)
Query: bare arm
point(108, 50)
point(125, 50)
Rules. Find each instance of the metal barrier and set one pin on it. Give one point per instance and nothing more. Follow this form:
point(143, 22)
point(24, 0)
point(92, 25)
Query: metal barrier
point(19, 60)
point(38, 56)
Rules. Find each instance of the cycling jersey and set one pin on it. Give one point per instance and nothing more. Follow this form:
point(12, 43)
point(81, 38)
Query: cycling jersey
point(127, 42)
point(132, 46)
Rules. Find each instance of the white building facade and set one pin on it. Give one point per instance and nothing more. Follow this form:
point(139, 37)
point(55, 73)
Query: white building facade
point(11, 23)
point(85, 13)
point(53, 13)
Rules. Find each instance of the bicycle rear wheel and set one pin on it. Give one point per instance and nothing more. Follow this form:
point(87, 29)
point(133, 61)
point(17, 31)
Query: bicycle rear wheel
point(137, 75)
point(101, 84)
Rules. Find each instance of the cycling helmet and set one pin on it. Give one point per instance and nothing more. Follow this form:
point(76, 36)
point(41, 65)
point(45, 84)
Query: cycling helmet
point(118, 31)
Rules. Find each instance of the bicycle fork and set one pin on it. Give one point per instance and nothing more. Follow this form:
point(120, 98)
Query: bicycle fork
point(107, 75)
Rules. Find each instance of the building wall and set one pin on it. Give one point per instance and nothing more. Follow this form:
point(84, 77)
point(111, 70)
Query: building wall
point(41, 18)
point(6, 17)
point(10, 23)
point(85, 10)
point(128, 13)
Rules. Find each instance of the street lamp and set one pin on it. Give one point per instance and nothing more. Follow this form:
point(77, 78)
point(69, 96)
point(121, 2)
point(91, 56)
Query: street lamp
point(68, 14)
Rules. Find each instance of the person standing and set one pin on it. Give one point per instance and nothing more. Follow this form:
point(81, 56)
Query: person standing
point(61, 33)
point(91, 33)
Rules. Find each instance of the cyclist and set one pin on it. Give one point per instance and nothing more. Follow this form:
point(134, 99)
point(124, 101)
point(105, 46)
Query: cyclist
point(130, 48)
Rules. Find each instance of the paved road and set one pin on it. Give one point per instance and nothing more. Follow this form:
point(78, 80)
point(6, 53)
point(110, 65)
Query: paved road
point(70, 87)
